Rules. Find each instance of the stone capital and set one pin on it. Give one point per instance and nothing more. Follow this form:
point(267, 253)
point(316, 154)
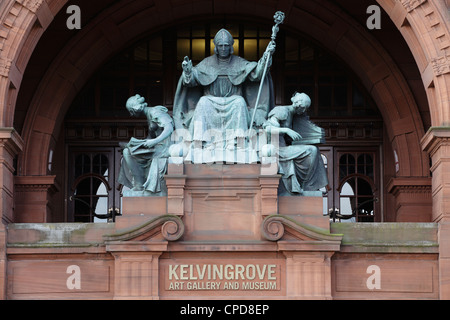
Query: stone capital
point(11, 141)
point(435, 138)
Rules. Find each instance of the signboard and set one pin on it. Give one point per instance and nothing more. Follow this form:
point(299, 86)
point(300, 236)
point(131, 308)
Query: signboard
point(197, 277)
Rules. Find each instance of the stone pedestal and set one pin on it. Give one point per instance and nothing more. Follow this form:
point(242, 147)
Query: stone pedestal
point(137, 210)
point(223, 202)
point(306, 210)
point(223, 232)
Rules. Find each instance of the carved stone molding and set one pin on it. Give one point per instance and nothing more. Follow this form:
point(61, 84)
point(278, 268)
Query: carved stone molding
point(409, 185)
point(441, 65)
point(410, 5)
point(286, 231)
point(171, 228)
point(5, 67)
point(36, 184)
point(32, 5)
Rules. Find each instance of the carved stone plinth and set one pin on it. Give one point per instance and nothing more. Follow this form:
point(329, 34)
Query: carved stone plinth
point(137, 210)
point(223, 231)
point(292, 261)
point(136, 254)
point(307, 210)
point(227, 202)
point(223, 202)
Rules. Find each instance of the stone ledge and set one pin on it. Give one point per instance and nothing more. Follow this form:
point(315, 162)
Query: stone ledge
point(387, 237)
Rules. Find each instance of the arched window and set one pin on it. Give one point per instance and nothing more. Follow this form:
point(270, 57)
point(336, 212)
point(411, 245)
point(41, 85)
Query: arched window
point(356, 199)
point(92, 175)
point(356, 192)
point(90, 197)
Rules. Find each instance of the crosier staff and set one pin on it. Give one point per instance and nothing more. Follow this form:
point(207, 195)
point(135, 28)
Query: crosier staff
point(279, 19)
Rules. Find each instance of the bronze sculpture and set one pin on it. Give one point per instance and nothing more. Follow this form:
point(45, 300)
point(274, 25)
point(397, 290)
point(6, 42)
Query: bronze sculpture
point(144, 162)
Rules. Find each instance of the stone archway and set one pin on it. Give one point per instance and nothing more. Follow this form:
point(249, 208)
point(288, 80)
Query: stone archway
point(24, 22)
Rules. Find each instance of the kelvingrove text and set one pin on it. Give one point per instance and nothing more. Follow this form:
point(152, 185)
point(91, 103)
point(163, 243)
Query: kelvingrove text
point(222, 272)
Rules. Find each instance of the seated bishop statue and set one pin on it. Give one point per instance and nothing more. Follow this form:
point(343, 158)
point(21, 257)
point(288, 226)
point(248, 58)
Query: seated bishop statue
point(215, 100)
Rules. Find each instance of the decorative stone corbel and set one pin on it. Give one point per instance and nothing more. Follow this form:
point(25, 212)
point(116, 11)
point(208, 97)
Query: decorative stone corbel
point(171, 228)
point(308, 251)
point(287, 231)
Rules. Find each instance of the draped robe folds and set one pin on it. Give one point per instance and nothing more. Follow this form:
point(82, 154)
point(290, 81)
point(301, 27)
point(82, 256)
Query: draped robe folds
point(217, 102)
point(147, 166)
point(301, 166)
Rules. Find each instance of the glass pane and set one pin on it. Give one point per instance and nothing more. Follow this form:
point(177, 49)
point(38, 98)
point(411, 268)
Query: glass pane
point(100, 164)
point(82, 165)
point(365, 210)
point(211, 46)
point(82, 211)
point(106, 98)
point(291, 49)
point(141, 55)
point(155, 46)
point(358, 98)
point(306, 53)
point(324, 201)
point(236, 48)
point(325, 93)
point(263, 43)
point(183, 33)
point(198, 31)
point(325, 160)
point(306, 80)
point(265, 32)
point(101, 208)
point(102, 190)
point(346, 206)
point(214, 28)
point(325, 80)
point(250, 31)
point(198, 49)
point(183, 48)
point(347, 190)
point(234, 30)
point(340, 96)
point(83, 188)
point(251, 49)
point(364, 188)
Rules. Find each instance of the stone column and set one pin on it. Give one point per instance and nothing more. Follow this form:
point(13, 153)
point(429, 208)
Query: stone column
point(136, 275)
point(437, 143)
point(10, 146)
point(3, 261)
point(308, 275)
point(32, 198)
point(413, 202)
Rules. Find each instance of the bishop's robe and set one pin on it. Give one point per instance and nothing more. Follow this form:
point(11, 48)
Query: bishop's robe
point(215, 104)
